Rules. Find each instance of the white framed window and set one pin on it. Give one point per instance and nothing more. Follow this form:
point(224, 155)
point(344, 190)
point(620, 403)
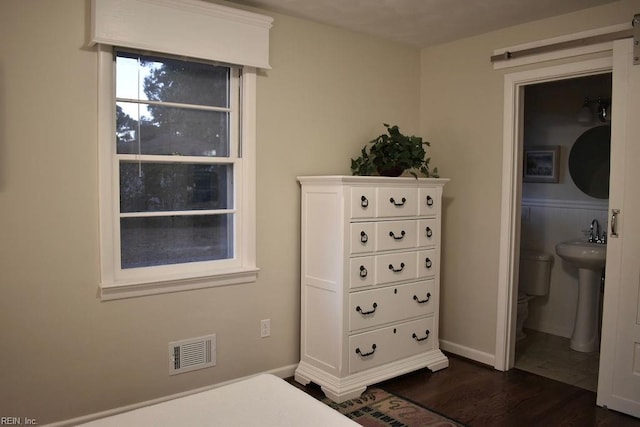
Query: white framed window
point(176, 137)
point(175, 209)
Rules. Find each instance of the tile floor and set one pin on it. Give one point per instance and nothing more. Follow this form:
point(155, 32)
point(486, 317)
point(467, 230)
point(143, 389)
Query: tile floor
point(550, 356)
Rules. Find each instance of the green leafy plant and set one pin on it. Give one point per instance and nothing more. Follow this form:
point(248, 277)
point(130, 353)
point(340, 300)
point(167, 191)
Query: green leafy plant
point(392, 154)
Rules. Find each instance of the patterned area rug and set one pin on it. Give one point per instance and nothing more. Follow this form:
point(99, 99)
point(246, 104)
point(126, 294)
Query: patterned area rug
point(378, 408)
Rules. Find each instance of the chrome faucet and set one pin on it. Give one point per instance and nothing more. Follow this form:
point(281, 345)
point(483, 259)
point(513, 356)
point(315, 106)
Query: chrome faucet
point(594, 236)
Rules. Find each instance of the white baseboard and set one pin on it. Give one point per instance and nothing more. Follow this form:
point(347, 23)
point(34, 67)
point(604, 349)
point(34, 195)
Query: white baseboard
point(468, 352)
point(283, 372)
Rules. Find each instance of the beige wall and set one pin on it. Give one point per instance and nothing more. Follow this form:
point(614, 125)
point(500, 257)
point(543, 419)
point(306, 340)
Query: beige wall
point(64, 353)
point(461, 114)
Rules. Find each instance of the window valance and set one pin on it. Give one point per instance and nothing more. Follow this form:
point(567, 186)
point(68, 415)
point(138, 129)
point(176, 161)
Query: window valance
point(192, 28)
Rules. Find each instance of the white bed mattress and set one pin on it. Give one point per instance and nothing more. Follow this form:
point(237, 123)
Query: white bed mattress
point(264, 400)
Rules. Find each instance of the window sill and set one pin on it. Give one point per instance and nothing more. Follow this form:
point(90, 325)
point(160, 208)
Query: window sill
point(112, 291)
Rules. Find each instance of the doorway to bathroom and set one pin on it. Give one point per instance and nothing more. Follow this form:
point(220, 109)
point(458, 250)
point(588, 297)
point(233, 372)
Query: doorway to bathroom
point(618, 382)
point(564, 196)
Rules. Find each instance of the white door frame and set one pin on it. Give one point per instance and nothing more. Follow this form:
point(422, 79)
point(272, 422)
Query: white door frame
point(514, 84)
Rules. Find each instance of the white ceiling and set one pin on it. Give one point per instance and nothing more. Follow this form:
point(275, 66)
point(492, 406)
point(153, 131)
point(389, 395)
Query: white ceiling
point(422, 23)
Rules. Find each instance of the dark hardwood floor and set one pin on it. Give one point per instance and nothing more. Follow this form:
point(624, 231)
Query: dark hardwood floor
point(478, 395)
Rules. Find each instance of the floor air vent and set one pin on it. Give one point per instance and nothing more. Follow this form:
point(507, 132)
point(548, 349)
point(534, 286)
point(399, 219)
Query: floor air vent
point(191, 354)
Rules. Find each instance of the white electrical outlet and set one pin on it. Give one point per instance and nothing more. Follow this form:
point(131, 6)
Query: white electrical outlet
point(265, 328)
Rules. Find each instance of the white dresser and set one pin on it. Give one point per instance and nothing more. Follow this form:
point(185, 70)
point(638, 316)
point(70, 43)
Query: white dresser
point(370, 255)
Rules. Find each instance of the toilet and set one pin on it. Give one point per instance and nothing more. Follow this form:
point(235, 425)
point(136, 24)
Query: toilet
point(533, 281)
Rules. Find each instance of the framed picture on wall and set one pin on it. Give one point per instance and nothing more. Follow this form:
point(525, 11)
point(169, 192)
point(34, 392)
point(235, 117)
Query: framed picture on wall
point(541, 164)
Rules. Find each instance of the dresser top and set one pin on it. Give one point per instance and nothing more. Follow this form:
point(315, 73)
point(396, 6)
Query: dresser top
point(371, 180)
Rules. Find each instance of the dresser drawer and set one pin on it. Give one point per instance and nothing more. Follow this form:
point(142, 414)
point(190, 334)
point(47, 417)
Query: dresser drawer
point(397, 201)
point(384, 345)
point(396, 235)
point(427, 263)
point(427, 232)
point(362, 272)
point(371, 308)
point(429, 201)
point(396, 267)
point(363, 202)
point(362, 237)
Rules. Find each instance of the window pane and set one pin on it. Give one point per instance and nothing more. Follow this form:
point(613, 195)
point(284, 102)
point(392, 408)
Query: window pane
point(175, 240)
point(170, 80)
point(153, 187)
point(171, 131)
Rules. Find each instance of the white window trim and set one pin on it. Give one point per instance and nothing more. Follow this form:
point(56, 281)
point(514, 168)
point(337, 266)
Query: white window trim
point(194, 29)
point(191, 28)
point(243, 268)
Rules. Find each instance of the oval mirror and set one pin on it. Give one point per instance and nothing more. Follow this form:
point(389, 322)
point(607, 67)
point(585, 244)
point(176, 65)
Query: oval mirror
point(589, 161)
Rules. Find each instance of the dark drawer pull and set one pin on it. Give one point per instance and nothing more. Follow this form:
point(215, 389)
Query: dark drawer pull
point(392, 234)
point(396, 270)
point(419, 301)
point(364, 313)
point(392, 200)
point(364, 202)
point(363, 237)
point(415, 337)
point(427, 263)
point(429, 201)
point(429, 231)
point(373, 350)
point(363, 272)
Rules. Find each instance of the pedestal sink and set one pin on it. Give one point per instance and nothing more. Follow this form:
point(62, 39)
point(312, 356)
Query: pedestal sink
point(589, 258)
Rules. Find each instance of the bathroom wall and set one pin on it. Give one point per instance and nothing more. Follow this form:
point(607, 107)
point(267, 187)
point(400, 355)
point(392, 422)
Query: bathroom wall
point(552, 213)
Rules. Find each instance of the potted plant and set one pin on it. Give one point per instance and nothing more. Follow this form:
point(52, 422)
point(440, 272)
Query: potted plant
point(392, 154)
